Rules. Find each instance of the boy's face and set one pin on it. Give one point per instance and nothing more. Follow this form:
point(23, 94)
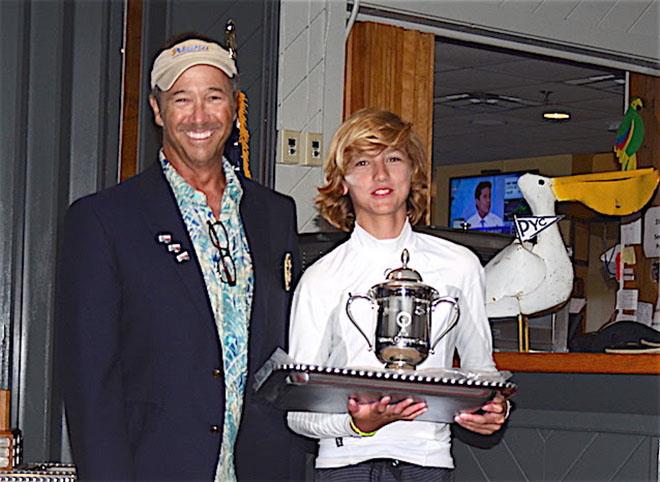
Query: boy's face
point(378, 183)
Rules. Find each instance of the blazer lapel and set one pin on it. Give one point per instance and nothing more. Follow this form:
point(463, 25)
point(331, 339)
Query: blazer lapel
point(254, 217)
point(163, 216)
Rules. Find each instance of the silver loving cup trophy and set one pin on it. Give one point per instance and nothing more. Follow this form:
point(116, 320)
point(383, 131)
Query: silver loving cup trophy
point(403, 328)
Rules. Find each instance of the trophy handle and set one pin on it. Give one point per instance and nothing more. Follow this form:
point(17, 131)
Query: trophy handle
point(454, 316)
point(352, 298)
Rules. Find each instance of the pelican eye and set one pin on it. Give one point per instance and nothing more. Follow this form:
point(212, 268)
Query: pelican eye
point(541, 182)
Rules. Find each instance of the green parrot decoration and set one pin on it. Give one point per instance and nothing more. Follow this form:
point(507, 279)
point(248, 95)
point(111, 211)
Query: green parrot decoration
point(630, 136)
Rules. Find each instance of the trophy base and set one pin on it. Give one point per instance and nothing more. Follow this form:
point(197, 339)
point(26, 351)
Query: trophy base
point(402, 357)
point(399, 366)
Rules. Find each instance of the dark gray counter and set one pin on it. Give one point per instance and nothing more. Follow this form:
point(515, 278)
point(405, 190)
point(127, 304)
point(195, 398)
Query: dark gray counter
point(573, 427)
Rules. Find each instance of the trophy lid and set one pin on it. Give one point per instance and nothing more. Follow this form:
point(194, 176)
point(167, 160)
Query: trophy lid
point(404, 273)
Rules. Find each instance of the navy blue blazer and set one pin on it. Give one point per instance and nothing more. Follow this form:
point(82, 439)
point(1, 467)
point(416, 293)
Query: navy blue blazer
point(140, 357)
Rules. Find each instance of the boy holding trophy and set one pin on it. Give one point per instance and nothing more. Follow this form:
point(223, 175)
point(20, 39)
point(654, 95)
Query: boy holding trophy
point(376, 187)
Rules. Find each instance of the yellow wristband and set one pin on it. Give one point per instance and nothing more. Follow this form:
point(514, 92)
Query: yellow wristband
point(360, 432)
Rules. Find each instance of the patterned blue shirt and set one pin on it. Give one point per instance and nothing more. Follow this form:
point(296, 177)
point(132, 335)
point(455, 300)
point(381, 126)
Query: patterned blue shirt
point(231, 304)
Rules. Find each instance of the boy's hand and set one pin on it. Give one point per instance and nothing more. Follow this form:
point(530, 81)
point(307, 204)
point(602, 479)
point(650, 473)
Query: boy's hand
point(369, 417)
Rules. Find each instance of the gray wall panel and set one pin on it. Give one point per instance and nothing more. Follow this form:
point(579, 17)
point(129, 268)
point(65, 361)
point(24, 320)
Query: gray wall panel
point(14, 21)
point(13, 113)
point(154, 33)
point(48, 91)
point(573, 427)
point(625, 422)
point(203, 15)
point(60, 117)
point(88, 126)
point(565, 456)
point(606, 393)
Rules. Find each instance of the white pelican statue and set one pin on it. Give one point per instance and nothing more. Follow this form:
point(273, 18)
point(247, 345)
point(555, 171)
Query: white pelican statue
point(527, 278)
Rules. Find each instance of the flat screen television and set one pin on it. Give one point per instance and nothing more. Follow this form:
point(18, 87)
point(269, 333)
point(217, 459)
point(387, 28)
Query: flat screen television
point(487, 202)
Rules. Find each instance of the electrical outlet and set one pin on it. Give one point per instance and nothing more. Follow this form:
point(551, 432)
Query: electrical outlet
point(289, 146)
point(313, 149)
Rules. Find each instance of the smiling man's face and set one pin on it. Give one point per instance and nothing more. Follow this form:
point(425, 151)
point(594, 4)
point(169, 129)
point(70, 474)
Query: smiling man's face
point(196, 115)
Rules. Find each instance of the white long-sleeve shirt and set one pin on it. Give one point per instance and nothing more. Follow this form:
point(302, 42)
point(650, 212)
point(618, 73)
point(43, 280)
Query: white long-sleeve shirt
point(321, 334)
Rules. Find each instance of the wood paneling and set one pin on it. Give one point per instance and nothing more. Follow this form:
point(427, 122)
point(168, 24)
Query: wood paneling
point(578, 362)
point(648, 89)
point(131, 90)
point(392, 68)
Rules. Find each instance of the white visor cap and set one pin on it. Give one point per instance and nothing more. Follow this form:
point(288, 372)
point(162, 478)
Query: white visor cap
point(173, 62)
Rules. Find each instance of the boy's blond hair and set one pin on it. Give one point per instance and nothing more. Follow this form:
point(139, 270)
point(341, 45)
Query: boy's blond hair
point(367, 130)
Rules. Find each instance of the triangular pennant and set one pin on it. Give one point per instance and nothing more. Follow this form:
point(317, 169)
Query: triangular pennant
point(528, 227)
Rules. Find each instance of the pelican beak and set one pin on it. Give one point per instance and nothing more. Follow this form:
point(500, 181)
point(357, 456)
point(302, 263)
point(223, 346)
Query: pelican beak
point(615, 193)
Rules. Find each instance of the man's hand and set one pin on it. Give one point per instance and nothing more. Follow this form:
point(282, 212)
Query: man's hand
point(488, 422)
point(369, 417)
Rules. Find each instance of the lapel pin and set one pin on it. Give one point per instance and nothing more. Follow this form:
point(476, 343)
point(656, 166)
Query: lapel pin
point(165, 238)
point(287, 271)
point(182, 257)
point(174, 247)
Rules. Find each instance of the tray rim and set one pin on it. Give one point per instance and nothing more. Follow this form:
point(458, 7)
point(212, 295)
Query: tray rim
point(411, 378)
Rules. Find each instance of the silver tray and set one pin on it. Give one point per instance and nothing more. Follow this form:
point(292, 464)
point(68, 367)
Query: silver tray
point(301, 387)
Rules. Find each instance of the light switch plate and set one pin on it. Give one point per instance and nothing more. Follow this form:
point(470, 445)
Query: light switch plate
point(313, 149)
point(290, 148)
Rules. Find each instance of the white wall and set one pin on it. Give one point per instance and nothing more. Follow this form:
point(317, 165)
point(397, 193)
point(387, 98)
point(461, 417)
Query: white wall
point(310, 90)
point(623, 34)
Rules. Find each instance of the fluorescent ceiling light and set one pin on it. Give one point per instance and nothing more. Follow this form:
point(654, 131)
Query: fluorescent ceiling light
point(557, 115)
point(591, 80)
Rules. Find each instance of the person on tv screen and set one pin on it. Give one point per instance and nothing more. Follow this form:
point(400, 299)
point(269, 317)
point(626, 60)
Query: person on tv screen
point(483, 218)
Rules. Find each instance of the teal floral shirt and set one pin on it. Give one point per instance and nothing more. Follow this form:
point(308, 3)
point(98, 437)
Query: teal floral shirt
point(231, 304)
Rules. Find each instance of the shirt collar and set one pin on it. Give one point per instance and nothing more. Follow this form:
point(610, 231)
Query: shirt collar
point(230, 198)
point(365, 242)
point(233, 193)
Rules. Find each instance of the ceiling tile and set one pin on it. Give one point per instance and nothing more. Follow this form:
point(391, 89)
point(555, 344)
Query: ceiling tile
point(545, 70)
point(475, 80)
point(470, 56)
point(648, 22)
point(623, 15)
point(590, 12)
point(554, 11)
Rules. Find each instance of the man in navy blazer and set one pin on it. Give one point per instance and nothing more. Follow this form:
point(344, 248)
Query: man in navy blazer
point(175, 289)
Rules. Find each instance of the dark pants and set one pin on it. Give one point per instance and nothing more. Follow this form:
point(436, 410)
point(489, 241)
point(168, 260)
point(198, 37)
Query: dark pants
point(385, 470)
